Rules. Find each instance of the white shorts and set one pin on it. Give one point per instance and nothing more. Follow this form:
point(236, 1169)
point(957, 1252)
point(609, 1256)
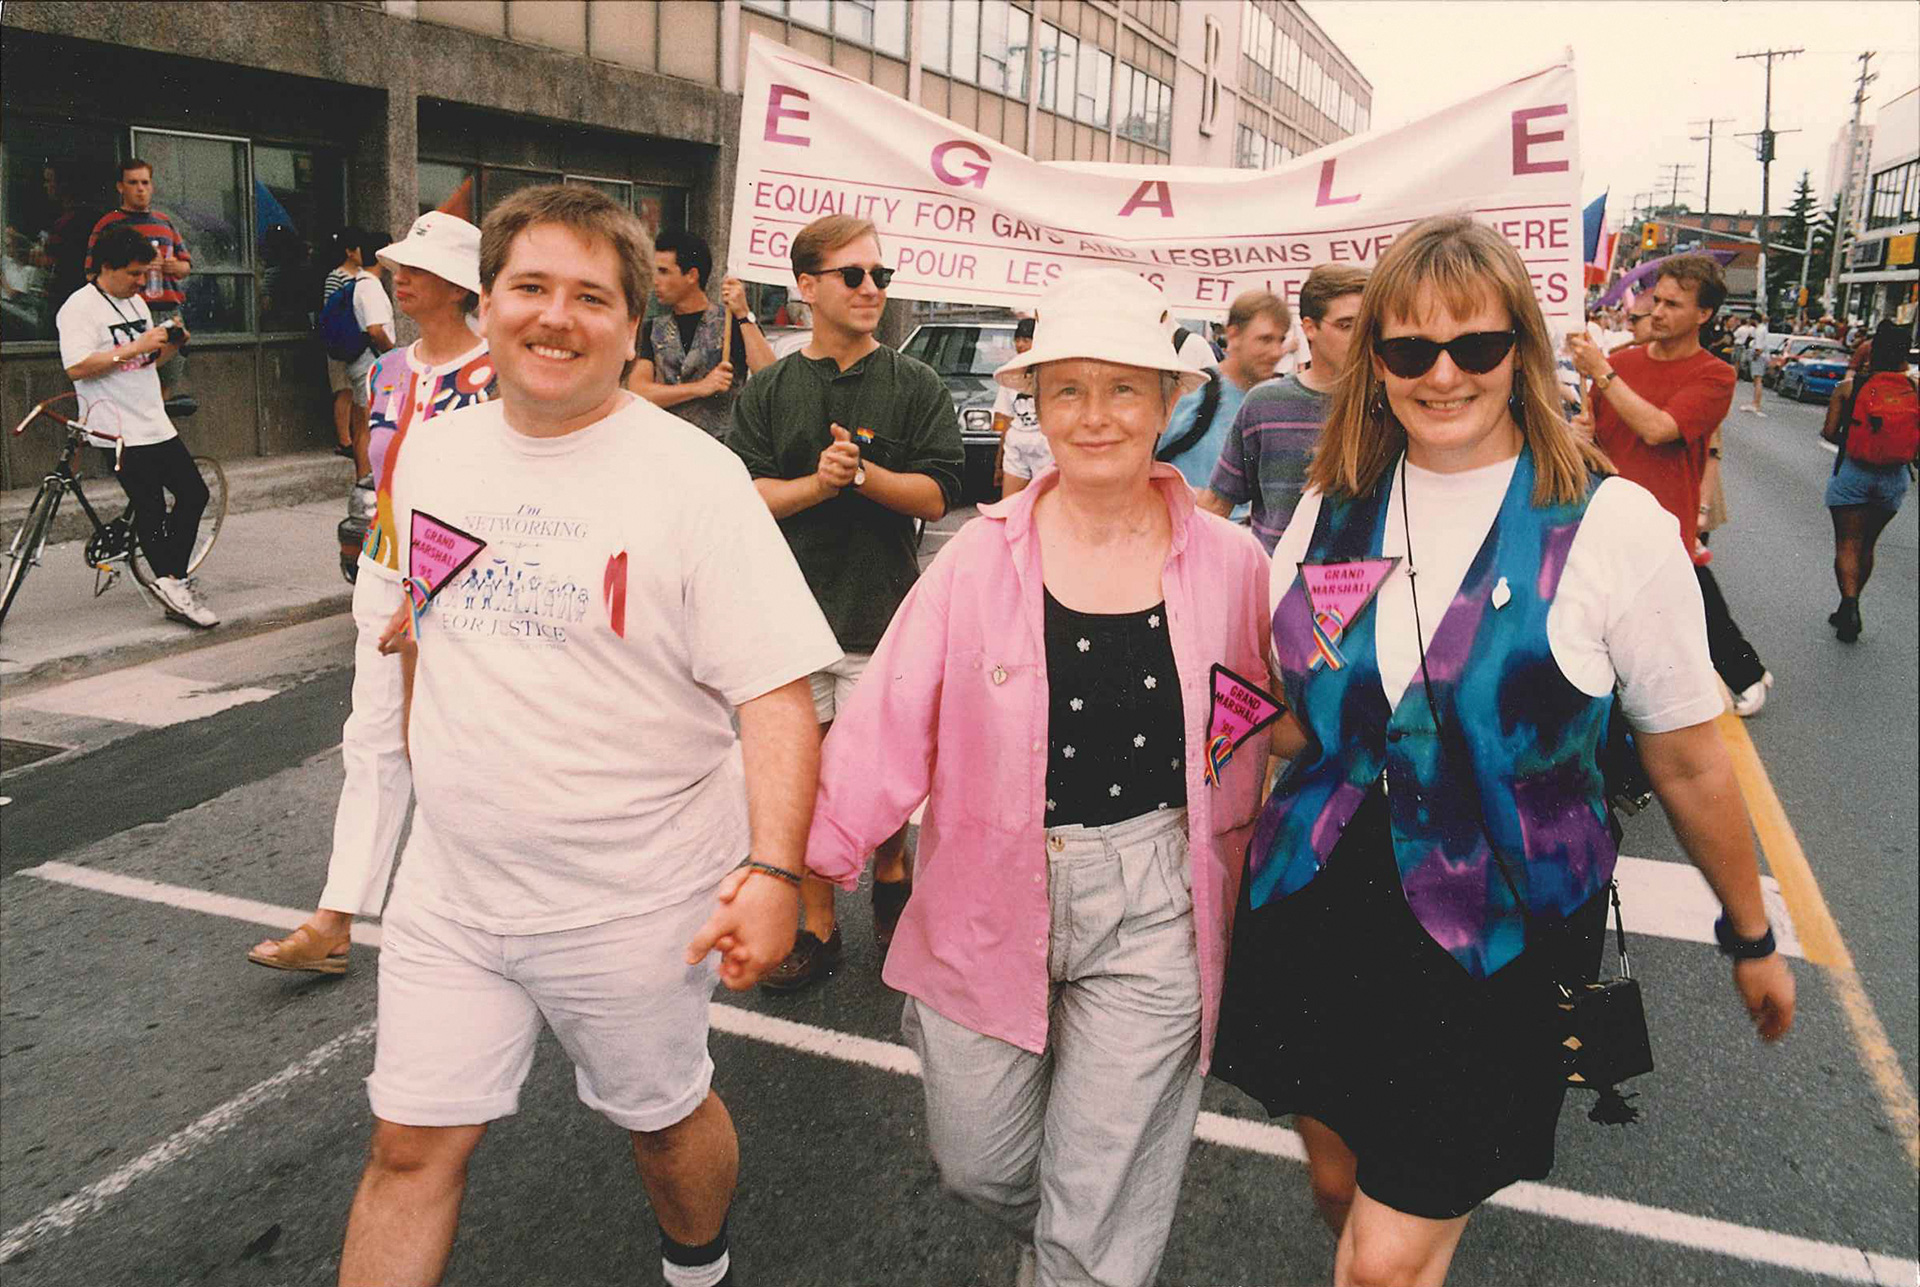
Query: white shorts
point(832, 686)
point(460, 1009)
point(1027, 453)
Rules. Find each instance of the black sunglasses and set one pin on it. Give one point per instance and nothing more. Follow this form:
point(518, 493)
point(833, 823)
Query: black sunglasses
point(854, 274)
point(1412, 356)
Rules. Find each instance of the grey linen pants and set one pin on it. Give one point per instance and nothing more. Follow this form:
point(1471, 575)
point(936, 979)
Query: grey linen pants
point(1080, 1150)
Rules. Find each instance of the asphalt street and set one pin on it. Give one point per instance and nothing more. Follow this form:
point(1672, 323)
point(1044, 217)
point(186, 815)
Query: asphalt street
point(171, 1114)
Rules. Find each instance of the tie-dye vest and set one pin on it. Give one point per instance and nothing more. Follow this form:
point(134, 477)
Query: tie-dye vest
point(674, 365)
point(1523, 739)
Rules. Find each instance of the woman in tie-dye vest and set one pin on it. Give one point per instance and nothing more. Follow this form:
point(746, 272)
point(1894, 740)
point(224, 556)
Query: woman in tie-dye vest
point(436, 277)
point(1449, 695)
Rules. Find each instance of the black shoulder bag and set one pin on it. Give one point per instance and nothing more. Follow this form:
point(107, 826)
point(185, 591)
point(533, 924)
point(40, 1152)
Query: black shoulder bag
point(1600, 1026)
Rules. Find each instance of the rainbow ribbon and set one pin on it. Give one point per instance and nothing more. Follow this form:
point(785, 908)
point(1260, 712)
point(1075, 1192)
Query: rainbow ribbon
point(1323, 639)
point(1219, 751)
point(418, 596)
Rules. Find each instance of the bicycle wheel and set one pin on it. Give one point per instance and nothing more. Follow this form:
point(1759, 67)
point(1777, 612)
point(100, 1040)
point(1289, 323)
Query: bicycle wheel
point(24, 551)
point(212, 519)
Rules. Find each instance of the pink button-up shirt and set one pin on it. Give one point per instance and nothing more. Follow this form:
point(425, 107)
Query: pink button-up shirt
point(953, 710)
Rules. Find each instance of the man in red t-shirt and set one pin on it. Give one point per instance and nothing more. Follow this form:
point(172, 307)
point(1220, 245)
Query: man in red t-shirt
point(1654, 408)
point(165, 289)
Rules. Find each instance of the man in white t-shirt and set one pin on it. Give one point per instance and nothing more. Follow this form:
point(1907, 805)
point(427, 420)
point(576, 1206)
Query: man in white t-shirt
point(111, 351)
point(581, 795)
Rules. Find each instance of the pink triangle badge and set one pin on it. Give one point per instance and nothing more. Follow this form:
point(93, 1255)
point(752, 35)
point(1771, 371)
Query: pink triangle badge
point(1239, 709)
point(437, 552)
point(1336, 592)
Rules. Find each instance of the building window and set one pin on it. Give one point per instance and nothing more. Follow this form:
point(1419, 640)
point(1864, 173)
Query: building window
point(299, 196)
point(201, 181)
point(1147, 113)
point(876, 24)
point(1894, 196)
point(442, 186)
point(1076, 80)
point(58, 182)
point(981, 42)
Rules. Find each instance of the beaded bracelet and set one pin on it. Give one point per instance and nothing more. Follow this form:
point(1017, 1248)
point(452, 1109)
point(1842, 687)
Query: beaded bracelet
point(792, 878)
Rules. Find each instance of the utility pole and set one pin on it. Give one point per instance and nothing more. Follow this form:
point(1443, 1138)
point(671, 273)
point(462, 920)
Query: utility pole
point(1679, 169)
point(1838, 238)
point(1766, 165)
point(1707, 200)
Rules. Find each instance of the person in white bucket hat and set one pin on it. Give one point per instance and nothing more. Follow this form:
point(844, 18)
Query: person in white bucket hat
point(1049, 693)
point(436, 282)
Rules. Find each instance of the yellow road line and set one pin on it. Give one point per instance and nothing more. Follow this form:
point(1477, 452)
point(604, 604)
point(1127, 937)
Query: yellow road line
point(1819, 934)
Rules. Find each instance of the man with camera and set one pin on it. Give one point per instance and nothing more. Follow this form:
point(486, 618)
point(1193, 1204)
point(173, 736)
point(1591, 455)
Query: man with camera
point(112, 350)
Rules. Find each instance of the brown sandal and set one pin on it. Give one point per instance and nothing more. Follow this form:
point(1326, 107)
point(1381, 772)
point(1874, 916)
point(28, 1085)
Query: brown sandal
point(301, 950)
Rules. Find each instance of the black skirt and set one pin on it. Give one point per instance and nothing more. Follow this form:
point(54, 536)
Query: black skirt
point(1339, 1006)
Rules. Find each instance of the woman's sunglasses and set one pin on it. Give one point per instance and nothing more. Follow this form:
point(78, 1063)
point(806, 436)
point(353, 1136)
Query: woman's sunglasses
point(854, 274)
point(1478, 352)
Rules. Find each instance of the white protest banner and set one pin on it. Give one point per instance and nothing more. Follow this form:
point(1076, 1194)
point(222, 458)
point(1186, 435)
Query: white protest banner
point(966, 219)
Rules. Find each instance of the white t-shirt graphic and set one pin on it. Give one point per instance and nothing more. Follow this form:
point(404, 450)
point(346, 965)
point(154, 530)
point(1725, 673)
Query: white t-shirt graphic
point(574, 760)
point(91, 321)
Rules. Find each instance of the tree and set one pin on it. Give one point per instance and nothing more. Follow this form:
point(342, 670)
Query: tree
point(1796, 232)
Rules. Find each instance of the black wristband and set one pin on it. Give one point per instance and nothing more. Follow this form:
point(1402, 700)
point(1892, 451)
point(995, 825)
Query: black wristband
point(1743, 949)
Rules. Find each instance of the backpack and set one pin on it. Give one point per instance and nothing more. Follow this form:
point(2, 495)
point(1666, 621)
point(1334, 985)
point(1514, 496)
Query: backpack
point(1202, 418)
point(339, 330)
point(1884, 428)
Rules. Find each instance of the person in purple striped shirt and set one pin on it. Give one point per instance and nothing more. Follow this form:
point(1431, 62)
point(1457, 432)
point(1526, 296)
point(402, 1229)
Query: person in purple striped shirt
point(1264, 459)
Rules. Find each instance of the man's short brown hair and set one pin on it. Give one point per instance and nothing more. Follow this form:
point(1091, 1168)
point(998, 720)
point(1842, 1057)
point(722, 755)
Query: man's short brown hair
point(1326, 283)
point(586, 211)
point(1702, 272)
point(1249, 304)
point(813, 243)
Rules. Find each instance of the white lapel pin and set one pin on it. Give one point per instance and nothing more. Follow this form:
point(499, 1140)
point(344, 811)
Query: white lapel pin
point(1501, 594)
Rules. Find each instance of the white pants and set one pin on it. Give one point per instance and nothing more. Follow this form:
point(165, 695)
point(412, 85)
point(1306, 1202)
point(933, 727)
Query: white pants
point(1081, 1149)
point(379, 785)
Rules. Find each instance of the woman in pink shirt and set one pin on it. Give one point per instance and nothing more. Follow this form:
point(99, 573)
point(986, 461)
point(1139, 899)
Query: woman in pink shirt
point(1051, 688)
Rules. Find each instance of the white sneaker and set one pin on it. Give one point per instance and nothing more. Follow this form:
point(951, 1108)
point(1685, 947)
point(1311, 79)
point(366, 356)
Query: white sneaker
point(1748, 701)
point(180, 603)
point(202, 614)
point(1751, 410)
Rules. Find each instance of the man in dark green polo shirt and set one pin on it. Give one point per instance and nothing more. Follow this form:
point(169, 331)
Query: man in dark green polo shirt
point(848, 442)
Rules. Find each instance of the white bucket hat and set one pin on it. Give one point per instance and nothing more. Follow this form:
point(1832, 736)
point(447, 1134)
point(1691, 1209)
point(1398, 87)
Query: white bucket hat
point(1107, 314)
point(442, 244)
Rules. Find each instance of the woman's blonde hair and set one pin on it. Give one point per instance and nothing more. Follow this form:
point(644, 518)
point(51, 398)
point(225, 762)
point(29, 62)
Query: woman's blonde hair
point(1464, 265)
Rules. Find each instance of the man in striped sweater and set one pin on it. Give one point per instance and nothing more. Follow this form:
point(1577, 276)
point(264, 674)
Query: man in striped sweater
point(164, 290)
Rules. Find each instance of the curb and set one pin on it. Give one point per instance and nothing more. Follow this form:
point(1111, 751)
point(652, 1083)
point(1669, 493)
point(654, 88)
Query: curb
point(187, 639)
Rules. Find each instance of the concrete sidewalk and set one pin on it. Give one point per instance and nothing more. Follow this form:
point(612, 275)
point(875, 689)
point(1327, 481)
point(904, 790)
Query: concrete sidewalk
point(272, 567)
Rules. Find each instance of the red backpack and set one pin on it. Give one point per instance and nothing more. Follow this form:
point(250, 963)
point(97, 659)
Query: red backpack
point(1885, 428)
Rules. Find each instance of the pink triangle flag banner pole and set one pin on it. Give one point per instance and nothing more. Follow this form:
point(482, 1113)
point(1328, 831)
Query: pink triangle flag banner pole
point(1336, 592)
point(438, 552)
point(1239, 709)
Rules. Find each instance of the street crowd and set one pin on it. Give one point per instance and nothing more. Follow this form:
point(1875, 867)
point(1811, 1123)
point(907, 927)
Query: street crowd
point(1259, 727)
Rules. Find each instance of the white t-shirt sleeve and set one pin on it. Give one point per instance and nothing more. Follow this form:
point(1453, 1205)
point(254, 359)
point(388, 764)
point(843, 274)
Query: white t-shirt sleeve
point(371, 307)
point(82, 331)
point(752, 623)
point(1629, 606)
point(1003, 403)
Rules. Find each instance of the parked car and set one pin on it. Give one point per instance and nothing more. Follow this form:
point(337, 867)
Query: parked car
point(966, 354)
point(1812, 375)
point(1791, 347)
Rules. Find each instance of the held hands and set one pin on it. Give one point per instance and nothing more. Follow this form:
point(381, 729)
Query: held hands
point(1766, 988)
point(752, 927)
point(395, 639)
point(718, 380)
point(734, 296)
point(839, 462)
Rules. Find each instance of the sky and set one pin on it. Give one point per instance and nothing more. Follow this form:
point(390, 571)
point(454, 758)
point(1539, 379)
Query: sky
point(1650, 74)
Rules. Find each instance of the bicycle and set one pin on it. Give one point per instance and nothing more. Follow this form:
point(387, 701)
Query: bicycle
point(115, 544)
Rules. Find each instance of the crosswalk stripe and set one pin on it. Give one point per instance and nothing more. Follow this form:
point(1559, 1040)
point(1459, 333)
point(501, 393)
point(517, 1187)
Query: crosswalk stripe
point(1616, 1215)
